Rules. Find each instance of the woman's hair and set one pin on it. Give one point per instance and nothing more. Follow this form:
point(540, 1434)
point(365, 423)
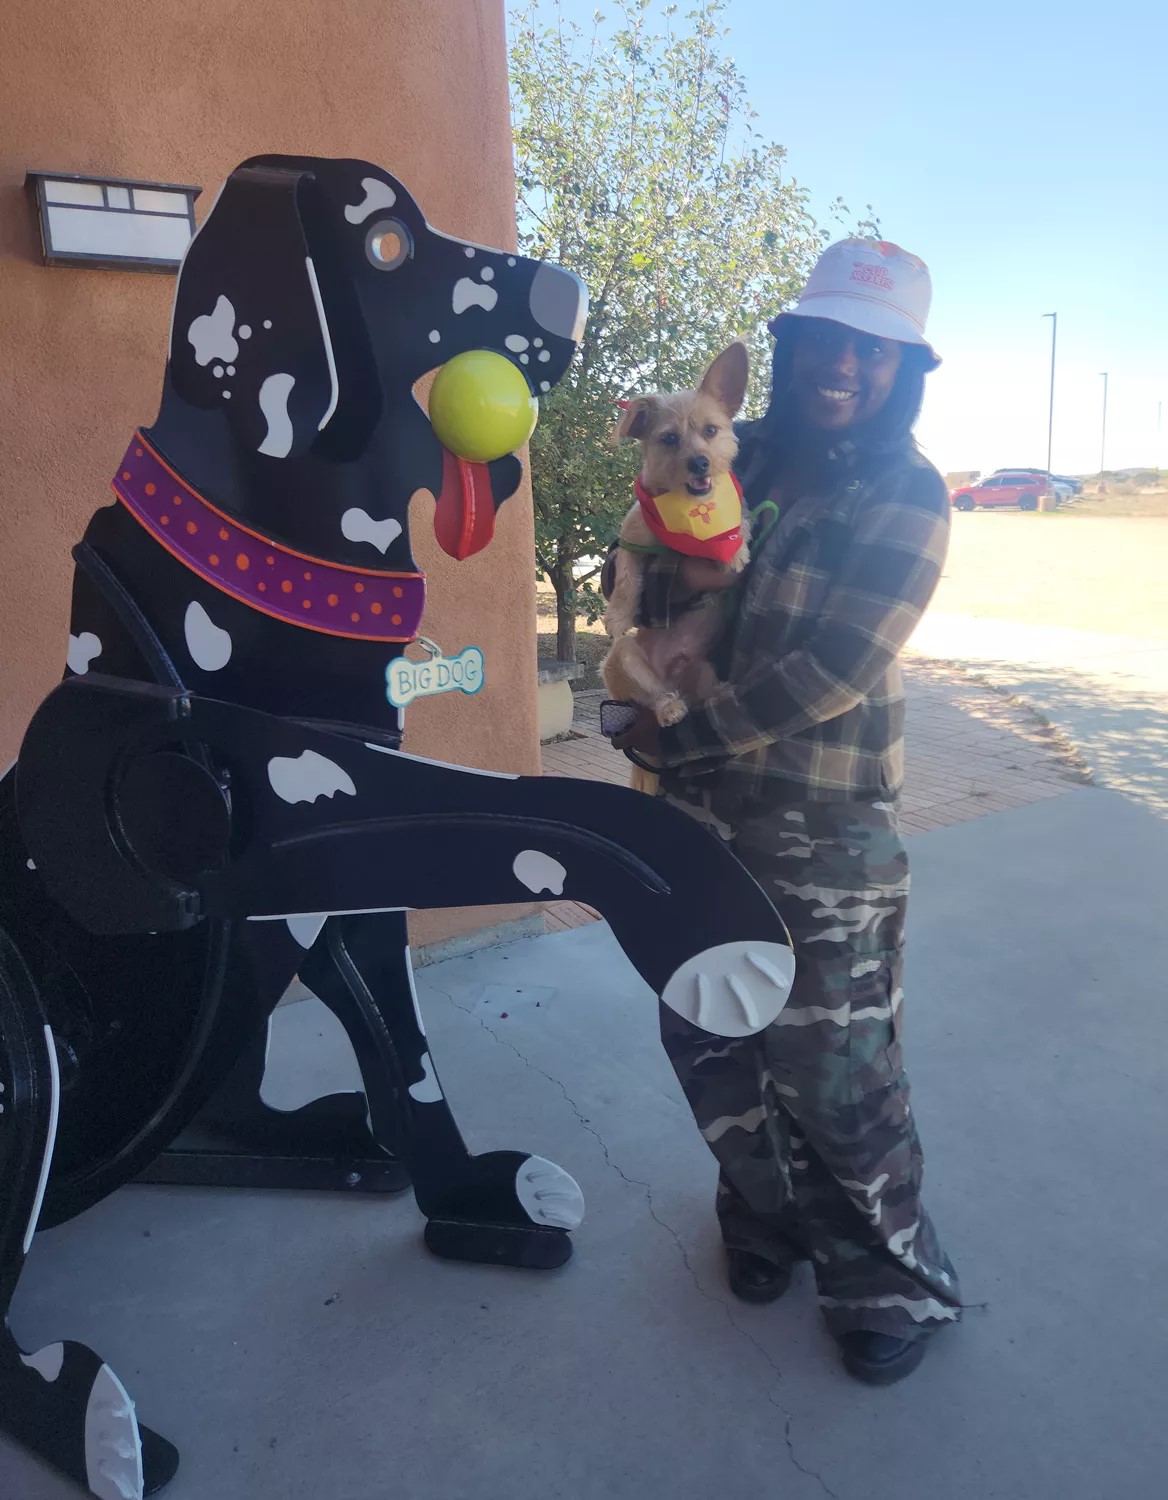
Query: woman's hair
point(891, 426)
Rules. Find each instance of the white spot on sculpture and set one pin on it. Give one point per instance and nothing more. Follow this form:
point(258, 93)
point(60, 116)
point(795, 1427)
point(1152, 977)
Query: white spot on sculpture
point(516, 343)
point(548, 1194)
point(231, 369)
point(30, 864)
point(307, 776)
point(113, 1444)
point(306, 927)
point(267, 322)
point(409, 966)
point(538, 343)
point(545, 385)
point(46, 1362)
point(377, 195)
point(212, 336)
point(217, 371)
point(469, 252)
point(435, 336)
point(210, 647)
point(510, 260)
point(227, 395)
point(427, 1090)
point(326, 338)
point(50, 1138)
point(544, 357)
point(274, 394)
point(358, 525)
point(487, 274)
point(525, 359)
point(734, 990)
point(244, 331)
point(468, 293)
point(539, 872)
point(83, 649)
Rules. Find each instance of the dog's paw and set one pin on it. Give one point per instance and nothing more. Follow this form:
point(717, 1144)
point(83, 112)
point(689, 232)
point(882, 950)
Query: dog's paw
point(549, 1195)
point(671, 711)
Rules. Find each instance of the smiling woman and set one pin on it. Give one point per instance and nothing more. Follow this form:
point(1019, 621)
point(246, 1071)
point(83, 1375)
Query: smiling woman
point(796, 758)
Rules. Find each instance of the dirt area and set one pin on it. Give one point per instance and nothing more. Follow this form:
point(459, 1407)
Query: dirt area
point(1120, 500)
point(1082, 570)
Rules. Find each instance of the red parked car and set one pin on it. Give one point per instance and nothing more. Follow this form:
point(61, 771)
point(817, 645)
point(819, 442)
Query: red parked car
point(1022, 490)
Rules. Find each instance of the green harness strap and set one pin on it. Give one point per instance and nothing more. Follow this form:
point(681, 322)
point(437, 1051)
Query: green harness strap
point(658, 547)
point(772, 514)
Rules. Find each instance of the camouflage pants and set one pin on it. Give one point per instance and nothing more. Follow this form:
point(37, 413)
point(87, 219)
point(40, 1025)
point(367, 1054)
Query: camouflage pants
point(810, 1120)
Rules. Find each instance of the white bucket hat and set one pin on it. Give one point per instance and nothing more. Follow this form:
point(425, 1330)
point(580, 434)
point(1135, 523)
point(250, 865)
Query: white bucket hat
point(872, 286)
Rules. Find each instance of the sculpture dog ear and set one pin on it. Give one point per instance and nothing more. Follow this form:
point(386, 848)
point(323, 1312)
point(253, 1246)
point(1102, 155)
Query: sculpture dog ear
point(249, 334)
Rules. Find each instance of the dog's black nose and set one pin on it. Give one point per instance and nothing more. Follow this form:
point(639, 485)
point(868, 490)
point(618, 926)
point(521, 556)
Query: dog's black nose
point(699, 464)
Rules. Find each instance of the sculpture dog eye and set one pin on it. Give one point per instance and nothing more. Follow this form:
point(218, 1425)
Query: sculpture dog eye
point(388, 244)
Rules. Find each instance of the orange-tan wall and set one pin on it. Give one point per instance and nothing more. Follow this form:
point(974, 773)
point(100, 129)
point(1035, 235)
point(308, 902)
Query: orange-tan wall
point(180, 91)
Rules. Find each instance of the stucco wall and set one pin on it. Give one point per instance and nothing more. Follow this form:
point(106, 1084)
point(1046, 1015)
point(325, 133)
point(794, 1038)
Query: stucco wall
point(180, 92)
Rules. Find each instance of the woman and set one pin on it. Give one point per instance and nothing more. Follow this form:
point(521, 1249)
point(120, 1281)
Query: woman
point(797, 759)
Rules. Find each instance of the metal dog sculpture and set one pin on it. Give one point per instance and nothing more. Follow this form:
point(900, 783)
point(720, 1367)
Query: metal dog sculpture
point(215, 799)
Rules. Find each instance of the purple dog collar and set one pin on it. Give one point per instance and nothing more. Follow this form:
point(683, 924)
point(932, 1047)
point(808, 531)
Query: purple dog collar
point(328, 597)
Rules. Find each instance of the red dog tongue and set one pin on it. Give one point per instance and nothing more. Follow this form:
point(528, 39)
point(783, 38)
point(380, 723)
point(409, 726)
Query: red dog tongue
point(464, 517)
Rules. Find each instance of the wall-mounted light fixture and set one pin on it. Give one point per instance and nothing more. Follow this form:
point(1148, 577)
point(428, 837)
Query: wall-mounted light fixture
point(113, 223)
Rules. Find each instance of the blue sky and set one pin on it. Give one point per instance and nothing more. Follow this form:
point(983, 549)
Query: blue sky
point(1022, 150)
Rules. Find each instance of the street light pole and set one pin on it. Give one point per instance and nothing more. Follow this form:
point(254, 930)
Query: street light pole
point(1103, 437)
point(1050, 425)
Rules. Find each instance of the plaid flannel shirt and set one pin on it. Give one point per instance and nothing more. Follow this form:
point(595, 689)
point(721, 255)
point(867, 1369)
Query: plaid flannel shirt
point(811, 704)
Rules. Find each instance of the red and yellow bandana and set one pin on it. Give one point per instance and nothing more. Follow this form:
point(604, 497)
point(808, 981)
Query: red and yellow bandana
point(707, 526)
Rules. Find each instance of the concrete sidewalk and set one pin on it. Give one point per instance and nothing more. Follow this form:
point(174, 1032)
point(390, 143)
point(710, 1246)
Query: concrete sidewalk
point(1108, 692)
point(305, 1348)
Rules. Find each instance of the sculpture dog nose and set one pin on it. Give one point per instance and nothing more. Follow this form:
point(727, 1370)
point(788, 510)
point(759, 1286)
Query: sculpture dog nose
point(559, 302)
point(698, 464)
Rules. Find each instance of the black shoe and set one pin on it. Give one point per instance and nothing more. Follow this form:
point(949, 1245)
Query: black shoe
point(754, 1279)
point(880, 1358)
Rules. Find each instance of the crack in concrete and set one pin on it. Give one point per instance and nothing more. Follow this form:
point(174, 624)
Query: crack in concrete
point(646, 1188)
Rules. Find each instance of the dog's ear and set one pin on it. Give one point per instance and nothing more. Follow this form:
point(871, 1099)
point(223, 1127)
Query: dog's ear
point(726, 380)
point(249, 334)
point(634, 419)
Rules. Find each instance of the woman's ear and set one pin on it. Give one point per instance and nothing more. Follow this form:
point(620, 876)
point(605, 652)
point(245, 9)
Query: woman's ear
point(726, 380)
point(634, 420)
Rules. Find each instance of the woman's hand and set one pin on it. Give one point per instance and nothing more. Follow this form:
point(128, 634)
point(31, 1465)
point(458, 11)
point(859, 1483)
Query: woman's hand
point(702, 575)
point(644, 737)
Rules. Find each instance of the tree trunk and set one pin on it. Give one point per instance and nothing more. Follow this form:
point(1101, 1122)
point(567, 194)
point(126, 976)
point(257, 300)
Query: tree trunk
point(562, 583)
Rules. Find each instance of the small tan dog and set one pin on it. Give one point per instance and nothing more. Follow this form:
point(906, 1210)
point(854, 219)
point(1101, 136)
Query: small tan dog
point(685, 496)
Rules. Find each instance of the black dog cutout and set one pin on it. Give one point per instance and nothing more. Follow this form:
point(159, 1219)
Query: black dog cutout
point(216, 799)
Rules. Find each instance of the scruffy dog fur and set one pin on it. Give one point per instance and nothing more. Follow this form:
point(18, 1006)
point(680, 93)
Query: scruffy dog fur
point(687, 442)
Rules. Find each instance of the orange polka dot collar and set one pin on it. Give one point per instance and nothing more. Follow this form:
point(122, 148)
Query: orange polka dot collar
point(328, 597)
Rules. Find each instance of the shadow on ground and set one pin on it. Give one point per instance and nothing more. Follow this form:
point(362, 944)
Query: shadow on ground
point(1119, 727)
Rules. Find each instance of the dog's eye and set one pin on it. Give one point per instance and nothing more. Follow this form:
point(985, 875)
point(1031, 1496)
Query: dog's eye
point(388, 244)
point(711, 431)
point(669, 439)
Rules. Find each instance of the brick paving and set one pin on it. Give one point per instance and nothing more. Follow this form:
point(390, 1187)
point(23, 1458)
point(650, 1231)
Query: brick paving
point(970, 752)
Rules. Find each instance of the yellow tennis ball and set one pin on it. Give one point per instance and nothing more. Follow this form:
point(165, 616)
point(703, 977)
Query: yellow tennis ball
point(480, 406)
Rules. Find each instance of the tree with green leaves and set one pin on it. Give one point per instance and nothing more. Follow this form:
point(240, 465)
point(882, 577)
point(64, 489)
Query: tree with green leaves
point(639, 168)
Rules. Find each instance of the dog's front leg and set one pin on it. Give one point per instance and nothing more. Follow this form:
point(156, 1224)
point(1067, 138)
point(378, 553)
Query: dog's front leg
point(501, 1207)
point(322, 822)
point(628, 661)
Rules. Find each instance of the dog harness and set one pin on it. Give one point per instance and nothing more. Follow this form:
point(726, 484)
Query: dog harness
point(328, 597)
point(699, 526)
